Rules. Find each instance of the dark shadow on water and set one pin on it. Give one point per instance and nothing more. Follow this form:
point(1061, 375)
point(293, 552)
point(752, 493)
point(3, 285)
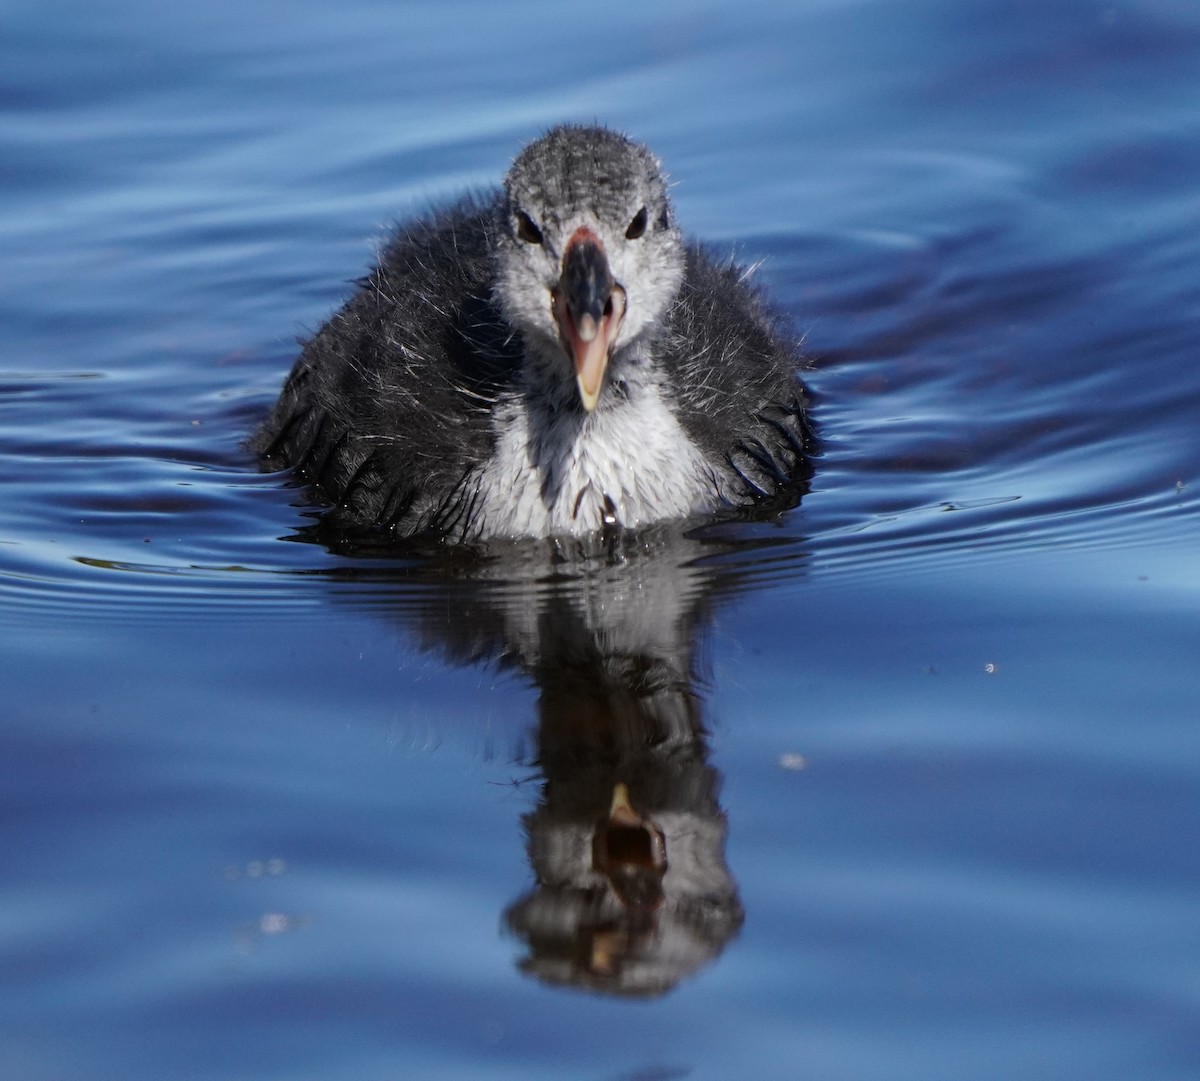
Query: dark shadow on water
point(631, 892)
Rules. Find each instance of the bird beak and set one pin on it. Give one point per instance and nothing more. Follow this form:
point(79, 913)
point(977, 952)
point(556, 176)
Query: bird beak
point(588, 307)
point(631, 852)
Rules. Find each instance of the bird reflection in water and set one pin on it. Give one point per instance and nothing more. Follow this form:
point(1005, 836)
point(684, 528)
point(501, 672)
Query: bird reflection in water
point(627, 842)
point(631, 890)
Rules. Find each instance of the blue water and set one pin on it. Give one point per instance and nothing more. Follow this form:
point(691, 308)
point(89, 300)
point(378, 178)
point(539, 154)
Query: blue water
point(929, 743)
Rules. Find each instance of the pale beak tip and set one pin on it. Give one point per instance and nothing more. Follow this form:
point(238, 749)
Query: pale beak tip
point(589, 398)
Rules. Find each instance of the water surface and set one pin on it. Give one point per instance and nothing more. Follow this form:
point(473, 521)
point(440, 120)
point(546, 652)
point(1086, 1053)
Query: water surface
point(924, 751)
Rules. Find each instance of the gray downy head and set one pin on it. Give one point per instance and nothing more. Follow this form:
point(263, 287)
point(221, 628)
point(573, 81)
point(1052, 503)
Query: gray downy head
point(588, 258)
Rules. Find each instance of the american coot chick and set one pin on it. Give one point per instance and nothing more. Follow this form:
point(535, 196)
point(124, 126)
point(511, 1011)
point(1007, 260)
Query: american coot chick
point(551, 359)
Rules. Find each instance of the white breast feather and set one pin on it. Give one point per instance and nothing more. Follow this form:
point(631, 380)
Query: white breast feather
point(557, 477)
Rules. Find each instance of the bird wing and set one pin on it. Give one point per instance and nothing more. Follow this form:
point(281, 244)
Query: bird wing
point(739, 394)
point(389, 403)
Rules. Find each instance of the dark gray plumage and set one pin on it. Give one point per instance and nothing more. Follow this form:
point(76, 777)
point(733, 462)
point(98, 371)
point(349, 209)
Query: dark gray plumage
point(550, 359)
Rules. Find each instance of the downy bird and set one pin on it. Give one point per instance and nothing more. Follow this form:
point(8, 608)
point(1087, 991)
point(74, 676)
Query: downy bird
point(551, 359)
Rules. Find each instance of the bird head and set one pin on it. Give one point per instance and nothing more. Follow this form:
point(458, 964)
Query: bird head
point(587, 257)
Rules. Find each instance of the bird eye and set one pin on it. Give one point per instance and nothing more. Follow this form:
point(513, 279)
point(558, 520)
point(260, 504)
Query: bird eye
point(638, 226)
point(526, 230)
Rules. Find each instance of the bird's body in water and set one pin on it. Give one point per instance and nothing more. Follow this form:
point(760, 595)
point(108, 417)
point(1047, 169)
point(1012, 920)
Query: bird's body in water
point(551, 360)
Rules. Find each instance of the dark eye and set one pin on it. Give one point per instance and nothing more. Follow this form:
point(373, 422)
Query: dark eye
point(638, 226)
point(526, 230)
